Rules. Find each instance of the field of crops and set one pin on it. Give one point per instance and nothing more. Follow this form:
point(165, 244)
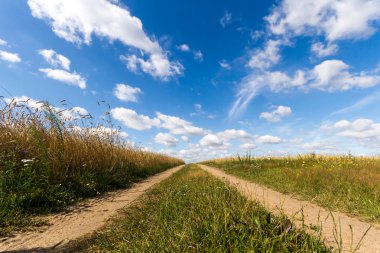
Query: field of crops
point(49, 161)
point(345, 183)
point(194, 212)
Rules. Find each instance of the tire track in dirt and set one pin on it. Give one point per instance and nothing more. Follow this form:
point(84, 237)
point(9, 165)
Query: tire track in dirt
point(333, 224)
point(79, 220)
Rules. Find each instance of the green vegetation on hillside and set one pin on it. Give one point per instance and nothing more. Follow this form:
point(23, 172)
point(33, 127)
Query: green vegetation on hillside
point(194, 212)
point(49, 161)
point(346, 183)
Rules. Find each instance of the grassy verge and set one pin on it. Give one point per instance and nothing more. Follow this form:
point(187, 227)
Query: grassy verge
point(346, 183)
point(49, 160)
point(194, 212)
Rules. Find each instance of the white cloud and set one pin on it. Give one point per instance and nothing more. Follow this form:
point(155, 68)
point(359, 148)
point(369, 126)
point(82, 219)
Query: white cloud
point(9, 57)
point(267, 57)
point(185, 138)
point(330, 76)
point(133, 120)
point(72, 113)
point(126, 93)
point(254, 83)
point(211, 140)
point(69, 114)
point(248, 146)
point(166, 139)
point(65, 76)
point(365, 131)
point(224, 64)
point(26, 101)
point(178, 126)
point(269, 139)
point(55, 59)
point(276, 115)
point(157, 65)
point(233, 134)
point(184, 48)
point(198, 55)
point(3, 42)
point(197, 152)
point(101, 131)
point(322, 50)
point(336, 20)
point(78, 21)
point(226, 19)
point(316, 145)
point(361, 129)
point(333, 75)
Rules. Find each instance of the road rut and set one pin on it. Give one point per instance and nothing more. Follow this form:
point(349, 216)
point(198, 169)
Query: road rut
point(80, 220)
point(297, 210)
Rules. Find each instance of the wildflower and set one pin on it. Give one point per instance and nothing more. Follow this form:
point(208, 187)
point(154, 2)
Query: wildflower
point(27, 162)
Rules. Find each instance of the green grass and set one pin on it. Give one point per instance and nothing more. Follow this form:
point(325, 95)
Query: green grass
point(194, 212)
point(48, 162)
point(345, 183)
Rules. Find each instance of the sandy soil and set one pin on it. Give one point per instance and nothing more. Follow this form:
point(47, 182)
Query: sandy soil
point(277, 202)
point(80, 220)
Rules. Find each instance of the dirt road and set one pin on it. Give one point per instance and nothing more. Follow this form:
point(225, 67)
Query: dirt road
point(277, 202)
point(79, 220)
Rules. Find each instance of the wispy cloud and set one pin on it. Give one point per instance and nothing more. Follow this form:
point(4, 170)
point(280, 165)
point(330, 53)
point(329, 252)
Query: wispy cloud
point(361, 103)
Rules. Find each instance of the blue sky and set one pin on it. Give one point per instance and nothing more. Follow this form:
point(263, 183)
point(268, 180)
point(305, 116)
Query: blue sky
point(198, 80)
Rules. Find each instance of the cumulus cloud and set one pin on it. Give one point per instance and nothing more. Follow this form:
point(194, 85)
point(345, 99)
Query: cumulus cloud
point(75, 22)
point(72, 113)
point(157, 65)
point(184, 48)
point(334, 75)
point(126, 93)
point(265, 58)
point(133, 120)
point(79, 21)
point(166, 139)
point(269, 139)
point(185, 138)
point(277, 114)
point(3, 42)
point(322, 50)
point(175, 125)
point(211, 140)
point(69, 114)
point(101, 131)
point(247, 146)
point(178, 126)
point(9, 57)
point(316, 145)
point(65, 77)
point(336, 20)
point(55, 59)
point(360, 129)
point(233, 134)
point(330, 76)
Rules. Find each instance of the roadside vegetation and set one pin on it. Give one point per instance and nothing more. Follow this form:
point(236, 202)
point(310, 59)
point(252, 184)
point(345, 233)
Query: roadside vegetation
point(194, 212)
point(345, 183)
point(51, 158)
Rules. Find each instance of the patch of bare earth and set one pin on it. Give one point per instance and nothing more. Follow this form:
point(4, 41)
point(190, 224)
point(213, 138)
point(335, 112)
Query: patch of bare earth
point(80, 220)
point(342, 232)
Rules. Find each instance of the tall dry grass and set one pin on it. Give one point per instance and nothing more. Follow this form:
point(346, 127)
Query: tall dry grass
point(49, 160)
